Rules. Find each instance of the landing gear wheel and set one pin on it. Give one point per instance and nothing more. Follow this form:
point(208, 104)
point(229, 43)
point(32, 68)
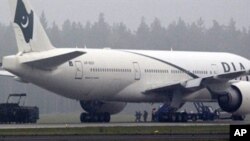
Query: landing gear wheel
point(95, 118)
point(107, 117)
point(238, 117)
point(83, 117)
point(101, 117)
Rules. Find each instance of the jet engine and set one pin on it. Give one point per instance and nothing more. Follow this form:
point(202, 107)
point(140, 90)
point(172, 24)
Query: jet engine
point(102, 107)
point(237, 99)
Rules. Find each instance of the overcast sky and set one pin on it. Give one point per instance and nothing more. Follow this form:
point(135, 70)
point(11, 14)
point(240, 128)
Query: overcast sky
point(131, 11)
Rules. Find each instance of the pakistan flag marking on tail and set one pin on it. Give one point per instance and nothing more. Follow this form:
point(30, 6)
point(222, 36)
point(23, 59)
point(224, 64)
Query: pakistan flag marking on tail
point(25, 20)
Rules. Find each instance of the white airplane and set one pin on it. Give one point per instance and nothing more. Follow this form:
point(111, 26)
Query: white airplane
point(105, 80)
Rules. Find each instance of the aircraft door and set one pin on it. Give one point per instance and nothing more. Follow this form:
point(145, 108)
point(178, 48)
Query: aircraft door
point(79, 70)
point(137, 71)
point(214, 69)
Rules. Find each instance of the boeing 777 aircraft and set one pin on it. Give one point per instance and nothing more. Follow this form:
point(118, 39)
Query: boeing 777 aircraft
point(105, 80)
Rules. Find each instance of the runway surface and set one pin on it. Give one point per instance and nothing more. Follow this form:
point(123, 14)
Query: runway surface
point(153, 137)
point(180, 137)
point(40, 126)
point(117, 124)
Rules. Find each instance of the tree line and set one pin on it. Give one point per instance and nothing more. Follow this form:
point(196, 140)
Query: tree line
point(178, 35)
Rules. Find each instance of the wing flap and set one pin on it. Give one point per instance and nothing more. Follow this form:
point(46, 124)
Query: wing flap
point(198, 83)
point(162, 89)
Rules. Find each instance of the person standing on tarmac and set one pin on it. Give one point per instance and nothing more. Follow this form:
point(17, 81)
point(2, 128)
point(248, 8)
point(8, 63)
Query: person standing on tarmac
point(153, 115)
point(136, 116)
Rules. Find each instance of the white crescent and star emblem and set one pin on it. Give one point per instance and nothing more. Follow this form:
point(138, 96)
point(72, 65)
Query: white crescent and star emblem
point(25, 20)
point(26, 24)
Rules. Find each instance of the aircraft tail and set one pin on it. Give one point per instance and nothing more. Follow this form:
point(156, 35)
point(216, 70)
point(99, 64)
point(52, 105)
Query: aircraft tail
point(30, 35)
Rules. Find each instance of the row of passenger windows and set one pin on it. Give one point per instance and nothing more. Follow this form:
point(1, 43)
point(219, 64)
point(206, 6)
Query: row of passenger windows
point(176, 71)
point(173, 71)
point(194, 71)
point(200, 72)
point(162, 71)
point(155, 71)
point(146, 70)
point(109, 70)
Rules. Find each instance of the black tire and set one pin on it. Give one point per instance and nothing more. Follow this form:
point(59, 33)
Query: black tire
point(238, 117)
point(107, 117)
point(86, 118)
point(101, 118)
point(95, 118)
point(83, 117)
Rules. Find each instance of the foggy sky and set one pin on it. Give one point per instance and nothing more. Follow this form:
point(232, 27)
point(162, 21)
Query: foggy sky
point(131, 11)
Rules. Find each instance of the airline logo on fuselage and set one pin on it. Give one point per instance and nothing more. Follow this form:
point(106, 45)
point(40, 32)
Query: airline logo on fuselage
point(228, 67)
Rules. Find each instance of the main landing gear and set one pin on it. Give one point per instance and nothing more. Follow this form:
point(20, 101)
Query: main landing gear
point(95, 117)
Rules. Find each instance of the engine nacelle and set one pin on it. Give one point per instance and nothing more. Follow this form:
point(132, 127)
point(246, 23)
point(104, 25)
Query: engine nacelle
point(102, 107)
point(237, 99)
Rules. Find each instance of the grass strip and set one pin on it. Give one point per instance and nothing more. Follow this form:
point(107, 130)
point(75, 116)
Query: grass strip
point(117, 130)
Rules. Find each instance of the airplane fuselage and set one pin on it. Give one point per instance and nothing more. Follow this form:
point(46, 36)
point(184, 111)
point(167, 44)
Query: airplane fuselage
point(123, 75)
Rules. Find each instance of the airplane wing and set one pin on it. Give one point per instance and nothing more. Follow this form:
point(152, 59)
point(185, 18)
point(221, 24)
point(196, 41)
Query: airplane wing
point(198, 83)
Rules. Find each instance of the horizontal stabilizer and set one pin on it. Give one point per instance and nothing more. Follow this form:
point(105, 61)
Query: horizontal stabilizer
point(6, 73)
point(49, 59)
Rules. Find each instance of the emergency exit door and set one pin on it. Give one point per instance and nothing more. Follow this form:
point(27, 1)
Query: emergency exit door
point(137, 71)
point(79, 70)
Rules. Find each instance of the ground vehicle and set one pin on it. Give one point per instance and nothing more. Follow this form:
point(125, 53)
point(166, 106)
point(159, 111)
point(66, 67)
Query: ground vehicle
point(225, 115)
point(166, 114)
point(15, 113)
point(204, 113)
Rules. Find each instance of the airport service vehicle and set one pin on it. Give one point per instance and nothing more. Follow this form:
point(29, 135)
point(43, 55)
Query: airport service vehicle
point(167, 114)
point(203, 112)
point(105, 80)
point(225, 115)
point(16, 113)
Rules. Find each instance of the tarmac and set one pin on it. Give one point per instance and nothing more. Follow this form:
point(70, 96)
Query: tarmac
point(178, 137)
point(119, 124)
point(41, 126)
point(119, 138)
